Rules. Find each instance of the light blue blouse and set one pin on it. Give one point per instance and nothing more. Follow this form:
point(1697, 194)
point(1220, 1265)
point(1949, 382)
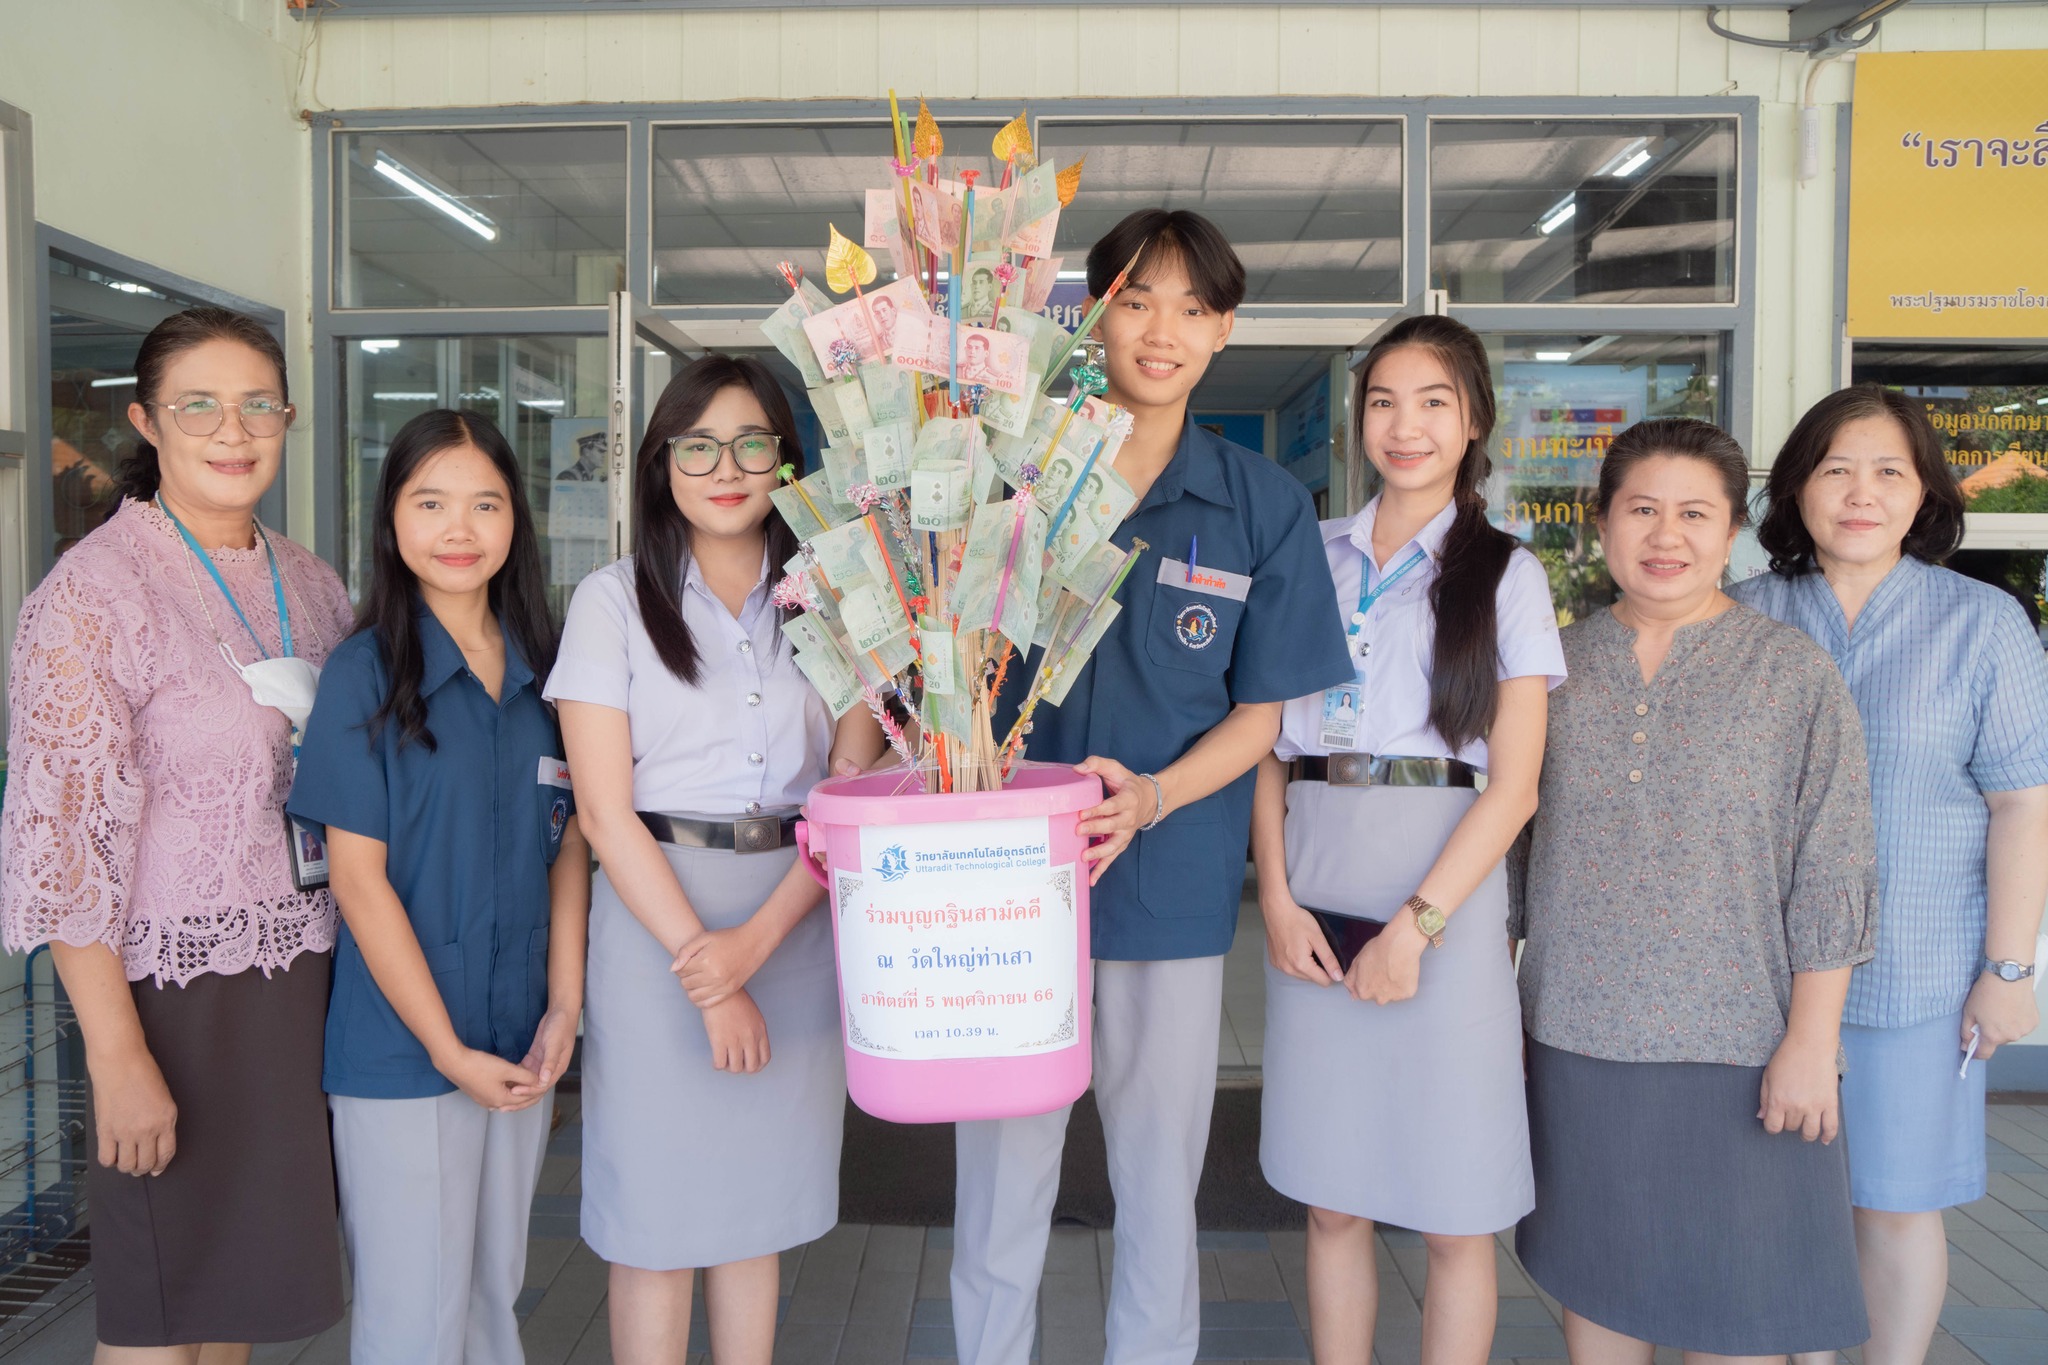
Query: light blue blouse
point(1952, 686)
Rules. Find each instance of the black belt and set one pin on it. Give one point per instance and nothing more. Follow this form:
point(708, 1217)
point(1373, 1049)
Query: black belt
point(1384, 770)
point(741, 834)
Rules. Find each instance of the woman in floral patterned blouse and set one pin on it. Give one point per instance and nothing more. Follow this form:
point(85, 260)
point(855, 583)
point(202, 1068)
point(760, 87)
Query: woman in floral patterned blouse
point(144, 840)
point(1701, 878)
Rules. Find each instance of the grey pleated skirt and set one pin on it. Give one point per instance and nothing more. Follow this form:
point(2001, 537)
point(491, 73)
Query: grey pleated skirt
point(685, 1166)
point(1665, 1212)
point(1411, 1113)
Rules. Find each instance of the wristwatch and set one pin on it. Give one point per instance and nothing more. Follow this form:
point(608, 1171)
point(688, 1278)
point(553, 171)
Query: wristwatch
point(1428, 919)
point(2008, 970)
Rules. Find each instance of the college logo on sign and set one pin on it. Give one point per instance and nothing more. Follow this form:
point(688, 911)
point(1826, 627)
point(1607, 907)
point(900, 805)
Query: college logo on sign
point(895, 864)
point(1196, 625)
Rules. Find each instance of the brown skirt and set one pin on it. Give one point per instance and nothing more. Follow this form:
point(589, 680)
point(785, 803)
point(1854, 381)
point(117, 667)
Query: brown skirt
point(237, 1239)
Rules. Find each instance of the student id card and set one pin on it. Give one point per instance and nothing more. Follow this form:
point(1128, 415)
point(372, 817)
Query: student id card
point(1340, 716)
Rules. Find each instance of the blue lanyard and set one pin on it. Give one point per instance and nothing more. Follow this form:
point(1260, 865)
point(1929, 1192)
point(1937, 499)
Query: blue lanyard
point(1366, 599)
point(284, 619)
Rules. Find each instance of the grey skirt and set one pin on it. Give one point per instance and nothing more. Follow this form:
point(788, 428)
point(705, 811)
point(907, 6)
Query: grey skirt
point(685, 1166)
point(1666, 1213)
point(1410, 1113)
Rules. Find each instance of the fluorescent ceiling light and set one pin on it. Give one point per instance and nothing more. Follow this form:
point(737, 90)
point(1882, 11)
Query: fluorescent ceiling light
point(1558, 215)
point(413, 183)
point(548, 403)
point(1628, 160)
point(130, 287)
point(114, 383)
point(1553, 357)
point(375, 346)
point(1632, 165)
point(405, 397)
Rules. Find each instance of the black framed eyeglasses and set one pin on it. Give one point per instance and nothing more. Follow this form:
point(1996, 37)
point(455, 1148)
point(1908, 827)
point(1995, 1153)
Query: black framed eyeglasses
point(199, 414)
point(755, 452)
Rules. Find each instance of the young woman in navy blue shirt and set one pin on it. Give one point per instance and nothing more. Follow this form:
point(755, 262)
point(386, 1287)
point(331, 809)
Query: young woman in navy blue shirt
point(464, 887)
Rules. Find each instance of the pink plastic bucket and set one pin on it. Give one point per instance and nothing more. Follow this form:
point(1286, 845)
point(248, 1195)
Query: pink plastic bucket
point(961, 922)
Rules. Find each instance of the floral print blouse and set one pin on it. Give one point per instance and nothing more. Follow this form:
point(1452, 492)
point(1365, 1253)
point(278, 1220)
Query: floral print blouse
point(1699, 839)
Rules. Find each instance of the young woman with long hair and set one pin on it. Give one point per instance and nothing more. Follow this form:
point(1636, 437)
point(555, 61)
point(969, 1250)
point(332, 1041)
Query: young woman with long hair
point(436, 771)
point(1390, 1001)
point(714, 1083)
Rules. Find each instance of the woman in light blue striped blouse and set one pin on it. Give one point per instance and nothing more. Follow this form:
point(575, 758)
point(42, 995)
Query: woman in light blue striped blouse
point(1950, 681)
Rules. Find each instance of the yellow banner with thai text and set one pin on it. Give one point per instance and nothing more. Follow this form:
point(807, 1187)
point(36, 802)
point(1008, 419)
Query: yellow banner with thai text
point(1948, 195)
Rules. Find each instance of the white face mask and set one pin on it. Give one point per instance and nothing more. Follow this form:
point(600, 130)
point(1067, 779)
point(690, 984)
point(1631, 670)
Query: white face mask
point(287, 684)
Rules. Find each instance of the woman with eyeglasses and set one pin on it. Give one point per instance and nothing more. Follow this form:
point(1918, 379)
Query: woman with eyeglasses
point(713, 1079)
point(160, 676)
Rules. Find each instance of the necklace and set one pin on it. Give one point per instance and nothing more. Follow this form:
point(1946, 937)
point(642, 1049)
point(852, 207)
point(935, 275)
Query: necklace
point(198, 593)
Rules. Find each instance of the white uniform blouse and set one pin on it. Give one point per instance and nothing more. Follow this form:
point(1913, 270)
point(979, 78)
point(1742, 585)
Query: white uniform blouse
point(1401, 632)
point(750, 735)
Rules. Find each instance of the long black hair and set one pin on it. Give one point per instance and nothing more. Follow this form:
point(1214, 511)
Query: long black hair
point(661, 534)
point(1464, 678)
point(1937, 527)
point(141, 472)
point(518, 589)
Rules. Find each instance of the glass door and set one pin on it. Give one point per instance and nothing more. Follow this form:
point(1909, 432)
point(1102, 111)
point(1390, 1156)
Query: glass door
point(641, 351)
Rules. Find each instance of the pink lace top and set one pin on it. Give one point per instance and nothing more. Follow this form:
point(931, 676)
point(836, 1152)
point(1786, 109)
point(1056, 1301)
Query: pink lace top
point(145, 786)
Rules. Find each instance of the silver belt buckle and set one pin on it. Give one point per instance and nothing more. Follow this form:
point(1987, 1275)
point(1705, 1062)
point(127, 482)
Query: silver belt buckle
point(1351, 770)
point(757, 834)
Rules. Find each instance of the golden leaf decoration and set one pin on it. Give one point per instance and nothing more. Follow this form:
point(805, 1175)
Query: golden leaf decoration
point(926, 143)
point(847, 263)
point(1069, 182)
point(1014, 140)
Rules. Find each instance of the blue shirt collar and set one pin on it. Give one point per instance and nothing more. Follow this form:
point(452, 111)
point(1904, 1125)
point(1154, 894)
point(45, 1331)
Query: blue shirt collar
point(1196, 467)
point(1905, 577)
point(441, 658)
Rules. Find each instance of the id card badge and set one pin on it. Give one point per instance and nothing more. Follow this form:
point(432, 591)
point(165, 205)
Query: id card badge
point(308, 853)
point(1340, 716)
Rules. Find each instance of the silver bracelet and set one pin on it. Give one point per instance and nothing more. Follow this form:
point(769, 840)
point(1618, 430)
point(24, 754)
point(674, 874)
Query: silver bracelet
point(1158, 803)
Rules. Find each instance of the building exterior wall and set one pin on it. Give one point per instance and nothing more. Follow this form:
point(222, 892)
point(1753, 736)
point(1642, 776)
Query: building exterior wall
point(167, 130)
point(1191, 54)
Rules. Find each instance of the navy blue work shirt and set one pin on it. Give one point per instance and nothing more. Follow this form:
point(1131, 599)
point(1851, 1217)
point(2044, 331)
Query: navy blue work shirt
point(1254, 625)
point(470, 830)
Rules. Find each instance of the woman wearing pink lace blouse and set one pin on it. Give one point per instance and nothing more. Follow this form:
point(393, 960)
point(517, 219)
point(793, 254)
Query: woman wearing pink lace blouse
point(144, 839)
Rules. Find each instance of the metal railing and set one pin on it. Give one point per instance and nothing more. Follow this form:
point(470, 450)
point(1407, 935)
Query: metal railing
point(42, 1152)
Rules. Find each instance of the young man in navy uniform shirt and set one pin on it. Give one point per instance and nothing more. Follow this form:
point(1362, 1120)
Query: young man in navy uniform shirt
point(1225, 617)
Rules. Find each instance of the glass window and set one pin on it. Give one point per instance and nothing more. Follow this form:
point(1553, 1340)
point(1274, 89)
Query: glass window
point(731, 201)
point(1583, 211)
point(491, 218)
point(545, 393)
point(1313, 207)
point(97, 323)
point(1562, 399)
point(1990, 407)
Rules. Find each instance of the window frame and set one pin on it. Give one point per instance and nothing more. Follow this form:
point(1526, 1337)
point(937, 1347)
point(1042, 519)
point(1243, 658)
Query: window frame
point(1981, 530)
point(1336, 325)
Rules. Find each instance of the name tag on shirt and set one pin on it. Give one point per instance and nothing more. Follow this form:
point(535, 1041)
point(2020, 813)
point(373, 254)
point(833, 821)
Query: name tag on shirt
point(1214, 582)
point(554, 773)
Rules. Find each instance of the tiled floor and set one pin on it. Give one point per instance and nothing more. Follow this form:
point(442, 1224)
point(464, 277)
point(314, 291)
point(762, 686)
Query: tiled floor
point(866, 1295)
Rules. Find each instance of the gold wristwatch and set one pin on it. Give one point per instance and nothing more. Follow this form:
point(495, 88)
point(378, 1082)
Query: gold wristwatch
point(1428, 919)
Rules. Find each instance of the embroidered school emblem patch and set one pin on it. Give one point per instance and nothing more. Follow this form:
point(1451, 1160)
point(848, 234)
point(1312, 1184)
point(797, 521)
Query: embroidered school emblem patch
point(1196, 625)
point(558, 817)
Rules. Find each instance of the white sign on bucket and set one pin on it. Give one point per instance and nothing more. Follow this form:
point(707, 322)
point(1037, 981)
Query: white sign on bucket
point(958, 939)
